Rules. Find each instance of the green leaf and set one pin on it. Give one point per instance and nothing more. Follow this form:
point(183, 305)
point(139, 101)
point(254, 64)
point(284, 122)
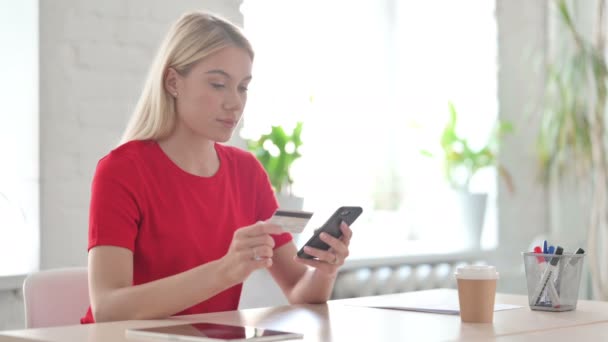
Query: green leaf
point(278, 166)
point(426, 153)
point(459, 157)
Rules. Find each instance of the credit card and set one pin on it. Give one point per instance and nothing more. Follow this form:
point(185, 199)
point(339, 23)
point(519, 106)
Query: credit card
point(293, 221)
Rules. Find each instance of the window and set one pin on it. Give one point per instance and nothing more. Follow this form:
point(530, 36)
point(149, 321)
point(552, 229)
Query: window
point(380, 75)
point(19, 194)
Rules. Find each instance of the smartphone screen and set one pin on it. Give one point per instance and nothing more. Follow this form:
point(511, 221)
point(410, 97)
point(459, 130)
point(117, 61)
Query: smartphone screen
point(331, 227)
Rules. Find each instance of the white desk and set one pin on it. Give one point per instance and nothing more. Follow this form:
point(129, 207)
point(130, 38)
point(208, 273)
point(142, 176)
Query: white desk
point(582, 333)
point(341, 321)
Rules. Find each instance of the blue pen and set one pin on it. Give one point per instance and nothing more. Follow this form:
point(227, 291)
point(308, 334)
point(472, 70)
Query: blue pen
point(551, 250)
point(547, 250)
point(546, 282)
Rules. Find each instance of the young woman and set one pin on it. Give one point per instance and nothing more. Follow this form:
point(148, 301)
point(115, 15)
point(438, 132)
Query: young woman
point(176, 218)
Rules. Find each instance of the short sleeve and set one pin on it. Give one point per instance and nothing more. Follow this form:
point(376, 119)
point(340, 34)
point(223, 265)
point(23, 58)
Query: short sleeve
point(266, 202)
point(114, 213)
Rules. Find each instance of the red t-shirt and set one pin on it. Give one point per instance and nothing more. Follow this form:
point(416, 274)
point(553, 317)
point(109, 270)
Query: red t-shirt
point(172, 220)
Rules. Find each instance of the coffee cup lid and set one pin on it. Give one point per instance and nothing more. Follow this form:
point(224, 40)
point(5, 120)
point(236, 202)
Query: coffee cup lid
point(476, 272)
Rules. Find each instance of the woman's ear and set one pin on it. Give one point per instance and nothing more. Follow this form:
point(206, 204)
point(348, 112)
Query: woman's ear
point(171, 80)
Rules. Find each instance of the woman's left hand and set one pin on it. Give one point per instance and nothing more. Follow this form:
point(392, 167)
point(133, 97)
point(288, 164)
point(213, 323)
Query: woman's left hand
point(329, 261)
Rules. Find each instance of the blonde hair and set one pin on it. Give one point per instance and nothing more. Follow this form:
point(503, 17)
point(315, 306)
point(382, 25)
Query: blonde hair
point(193, 37)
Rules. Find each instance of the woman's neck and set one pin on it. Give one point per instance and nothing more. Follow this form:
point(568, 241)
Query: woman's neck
point(193, 155)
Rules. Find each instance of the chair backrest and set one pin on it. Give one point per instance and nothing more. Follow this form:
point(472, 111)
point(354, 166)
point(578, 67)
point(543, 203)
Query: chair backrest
point(55, 297)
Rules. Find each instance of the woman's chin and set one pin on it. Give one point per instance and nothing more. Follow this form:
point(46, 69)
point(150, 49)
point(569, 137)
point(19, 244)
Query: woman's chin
point(222, 138)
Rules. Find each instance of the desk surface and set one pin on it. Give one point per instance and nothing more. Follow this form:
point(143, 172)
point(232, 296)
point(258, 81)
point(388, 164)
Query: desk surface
point(587, 332)
point(342, 320)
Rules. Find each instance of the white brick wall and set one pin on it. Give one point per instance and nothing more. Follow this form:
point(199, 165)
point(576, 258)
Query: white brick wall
point(94, 56)
point(93, 60)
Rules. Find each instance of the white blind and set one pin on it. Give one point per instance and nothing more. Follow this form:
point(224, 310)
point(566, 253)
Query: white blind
point(19, 175)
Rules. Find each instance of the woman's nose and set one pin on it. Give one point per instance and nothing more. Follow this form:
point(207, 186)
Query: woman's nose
point(235, 101)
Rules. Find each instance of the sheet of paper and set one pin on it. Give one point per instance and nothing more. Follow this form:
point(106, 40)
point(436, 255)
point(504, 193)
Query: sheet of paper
point(448, 309)
point(436, 301)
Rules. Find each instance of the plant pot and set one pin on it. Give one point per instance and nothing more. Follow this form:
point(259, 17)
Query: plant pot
point(471, 209)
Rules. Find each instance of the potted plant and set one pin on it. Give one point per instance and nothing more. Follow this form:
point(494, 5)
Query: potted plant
point(276, 151)
point(461, 163)
point(572, 139)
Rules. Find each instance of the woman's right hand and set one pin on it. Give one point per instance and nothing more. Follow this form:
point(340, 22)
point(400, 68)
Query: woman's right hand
point(251, 249)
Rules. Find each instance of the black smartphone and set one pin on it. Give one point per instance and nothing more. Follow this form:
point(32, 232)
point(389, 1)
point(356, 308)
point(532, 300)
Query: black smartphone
point(331, 227)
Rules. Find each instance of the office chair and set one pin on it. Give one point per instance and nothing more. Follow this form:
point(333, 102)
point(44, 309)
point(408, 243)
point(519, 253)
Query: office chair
point(55, 297)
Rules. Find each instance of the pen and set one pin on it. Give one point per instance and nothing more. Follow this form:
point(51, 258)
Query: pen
point(578, 251)
point(539, 259)
point(546, 249)
point(571, 263)
point(541, 265)
point(551, 250)
point(546, 283)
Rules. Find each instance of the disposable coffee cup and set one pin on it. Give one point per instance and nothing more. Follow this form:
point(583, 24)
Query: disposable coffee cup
point(476, 292)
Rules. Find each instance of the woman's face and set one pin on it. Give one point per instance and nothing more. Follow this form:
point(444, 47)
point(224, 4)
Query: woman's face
point(211, 97)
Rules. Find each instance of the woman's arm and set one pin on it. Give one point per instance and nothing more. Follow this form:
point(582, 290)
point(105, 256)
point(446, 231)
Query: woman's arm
point(314, 284)
point(301, 285)
point(113, 296)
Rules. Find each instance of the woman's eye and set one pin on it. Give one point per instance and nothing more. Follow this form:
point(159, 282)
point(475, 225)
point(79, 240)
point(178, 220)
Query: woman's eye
point(243, 89)
point(217, 85)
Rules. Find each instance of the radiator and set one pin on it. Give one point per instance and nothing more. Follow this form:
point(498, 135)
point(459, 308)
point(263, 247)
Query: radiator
point(368, 277)
point(372, 277)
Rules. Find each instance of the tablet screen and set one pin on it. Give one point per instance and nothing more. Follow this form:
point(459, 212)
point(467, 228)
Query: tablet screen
point(213, 332)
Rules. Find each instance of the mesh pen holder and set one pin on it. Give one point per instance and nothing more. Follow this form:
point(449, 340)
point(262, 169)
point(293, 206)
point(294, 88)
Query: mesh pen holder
point(553, 280)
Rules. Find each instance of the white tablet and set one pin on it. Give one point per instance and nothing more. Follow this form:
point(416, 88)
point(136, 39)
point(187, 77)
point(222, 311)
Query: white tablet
point(211, 332)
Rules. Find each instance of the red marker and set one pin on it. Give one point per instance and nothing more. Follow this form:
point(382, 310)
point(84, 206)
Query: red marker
point(539, 250)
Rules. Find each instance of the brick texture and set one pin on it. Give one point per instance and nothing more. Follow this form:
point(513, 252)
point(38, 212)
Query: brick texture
point(93, 61)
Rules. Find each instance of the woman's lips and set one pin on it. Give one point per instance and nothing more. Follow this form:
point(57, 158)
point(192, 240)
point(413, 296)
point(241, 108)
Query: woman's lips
point(227, 123)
